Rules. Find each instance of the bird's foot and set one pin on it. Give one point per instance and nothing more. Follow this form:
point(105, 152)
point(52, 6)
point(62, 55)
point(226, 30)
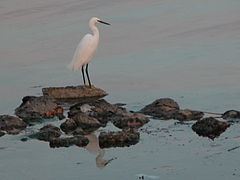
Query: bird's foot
point(89, 86)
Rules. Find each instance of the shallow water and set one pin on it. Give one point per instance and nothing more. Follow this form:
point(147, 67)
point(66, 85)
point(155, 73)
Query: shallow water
point(187, 50)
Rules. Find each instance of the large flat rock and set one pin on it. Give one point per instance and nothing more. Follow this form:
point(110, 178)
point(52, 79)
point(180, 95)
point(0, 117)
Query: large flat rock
point(73, 92)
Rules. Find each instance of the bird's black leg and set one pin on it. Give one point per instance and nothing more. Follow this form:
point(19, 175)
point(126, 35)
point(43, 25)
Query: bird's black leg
point(83, 75)
point(88, 76)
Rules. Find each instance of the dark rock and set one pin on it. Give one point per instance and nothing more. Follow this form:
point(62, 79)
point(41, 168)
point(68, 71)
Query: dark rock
point(231, 114)
point(80, 141)
point(73, 92)
point(188, 115)
point(99, 109)
point(24, 139)
point(11, 124)
point(118, 139)
point(164, 108)
point(80, 131)
point(120, 104)
point(2, 133)
point(37, 107)
point(105, 112)
point(126, 119)
point(210, 127)
point(85, 122)
point(80, 124)
point(47, 133)
point(68, 126)
point(167, 108)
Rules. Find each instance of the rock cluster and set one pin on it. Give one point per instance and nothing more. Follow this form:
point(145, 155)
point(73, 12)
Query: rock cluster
point(90, 113)
point(84, 118)
point(105, 112)
point(167, 108)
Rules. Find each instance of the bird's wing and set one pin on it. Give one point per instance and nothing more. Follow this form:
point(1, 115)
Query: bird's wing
point(82, 53)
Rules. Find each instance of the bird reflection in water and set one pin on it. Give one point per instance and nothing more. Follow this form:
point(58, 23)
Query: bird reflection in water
point(94, 148)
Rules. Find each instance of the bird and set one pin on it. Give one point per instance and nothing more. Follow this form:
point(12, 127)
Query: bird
point(86, 50)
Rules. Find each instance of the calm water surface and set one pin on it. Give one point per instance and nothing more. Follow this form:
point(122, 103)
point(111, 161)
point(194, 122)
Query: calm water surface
point(188, 50)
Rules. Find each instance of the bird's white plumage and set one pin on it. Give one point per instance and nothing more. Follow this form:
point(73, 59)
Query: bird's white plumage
point(84, 52)
point(86, 48)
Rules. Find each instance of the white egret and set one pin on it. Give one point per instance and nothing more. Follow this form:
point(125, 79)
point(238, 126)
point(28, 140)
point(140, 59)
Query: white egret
point(86, 49)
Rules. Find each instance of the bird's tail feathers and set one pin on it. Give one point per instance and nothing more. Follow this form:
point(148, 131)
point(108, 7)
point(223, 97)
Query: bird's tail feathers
point(70, 66)
point(74, 66)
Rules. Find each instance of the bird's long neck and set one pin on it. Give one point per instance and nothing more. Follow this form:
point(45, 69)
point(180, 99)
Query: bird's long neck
point(95, 30)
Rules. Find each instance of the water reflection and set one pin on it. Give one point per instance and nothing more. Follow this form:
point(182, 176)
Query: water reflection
point(94, 148)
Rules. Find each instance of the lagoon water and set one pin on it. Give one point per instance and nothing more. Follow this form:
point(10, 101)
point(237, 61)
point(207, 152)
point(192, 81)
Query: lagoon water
point(188, 50)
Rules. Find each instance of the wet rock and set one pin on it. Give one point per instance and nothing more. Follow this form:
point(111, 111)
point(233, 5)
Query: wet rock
point(2, 133)
point(73, 92)
point(188, 115)
point(47, 133)
point(80, 124)
point(85, 122)
point(118, 139)
point(37, 107)
point(126, 119)
point(210, 127)
point(80, 131)
point(58, 111)
point(164, 108)
point(68, 126)
point(99, 109)
point(231, 114)
point(105, 112)
point(11, 124)
point(24, 139)
point(80, 141)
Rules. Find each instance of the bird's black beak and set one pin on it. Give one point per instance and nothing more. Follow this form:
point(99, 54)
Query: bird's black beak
point(104, 22)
